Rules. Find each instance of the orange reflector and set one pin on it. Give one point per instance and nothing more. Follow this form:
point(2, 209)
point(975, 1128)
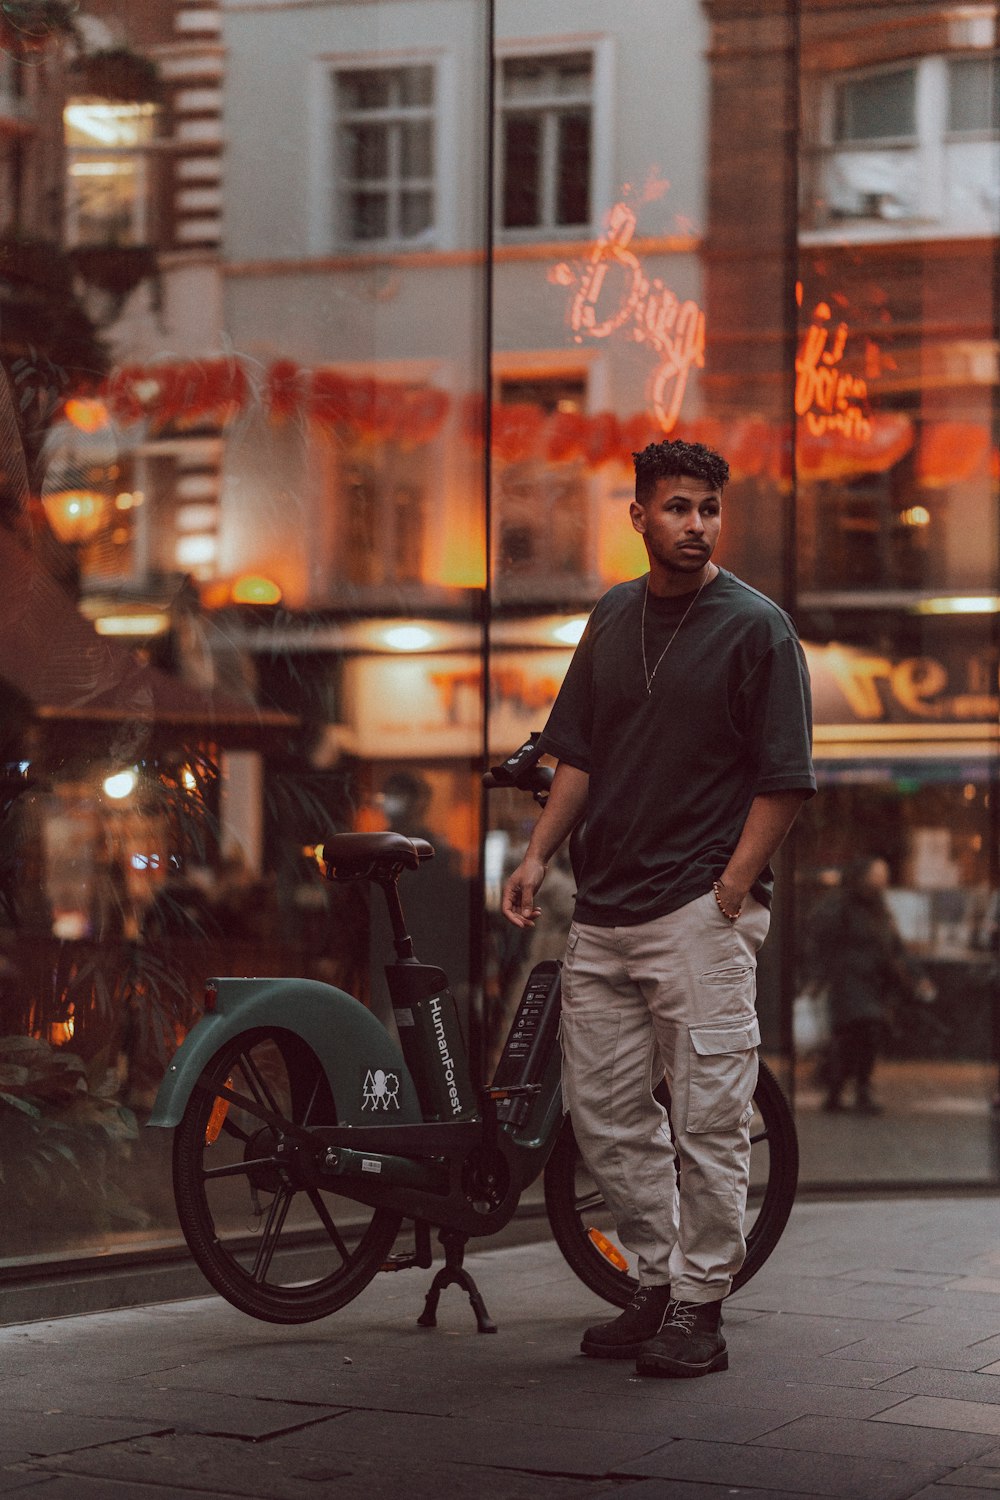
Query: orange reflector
point(607, 1249)
point(217, 1118)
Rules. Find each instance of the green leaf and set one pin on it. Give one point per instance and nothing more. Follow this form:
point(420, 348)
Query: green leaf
point(20, 1104)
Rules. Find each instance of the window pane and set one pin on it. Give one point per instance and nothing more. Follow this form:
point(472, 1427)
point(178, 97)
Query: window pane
point(416, 85)
point(524, 77)
point(416, 213)
point(877, 108)
point(536, 77)
point(974, 94)
point(369, 216)
point(366, 151)
point(108, 123)
point(367, 88)
point(573, 73)
point(105, 204)
point(416, 148)
point(573, 190)
point(522, 156)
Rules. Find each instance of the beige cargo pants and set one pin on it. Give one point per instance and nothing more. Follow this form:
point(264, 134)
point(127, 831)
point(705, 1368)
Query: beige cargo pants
point(674, 996)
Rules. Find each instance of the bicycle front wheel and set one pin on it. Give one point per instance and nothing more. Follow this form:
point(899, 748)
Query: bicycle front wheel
point(272, 1243)
point(584, 1230)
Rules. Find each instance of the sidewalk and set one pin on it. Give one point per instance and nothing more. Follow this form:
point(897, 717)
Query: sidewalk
point(865, 1362)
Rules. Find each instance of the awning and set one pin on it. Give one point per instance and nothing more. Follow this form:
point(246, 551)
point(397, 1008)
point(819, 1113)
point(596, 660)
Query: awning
point(69, 675)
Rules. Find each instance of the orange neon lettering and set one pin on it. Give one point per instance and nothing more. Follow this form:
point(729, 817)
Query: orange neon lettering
point(915, 681)
point(857, 677)
point(614, 294)
point(830, 400)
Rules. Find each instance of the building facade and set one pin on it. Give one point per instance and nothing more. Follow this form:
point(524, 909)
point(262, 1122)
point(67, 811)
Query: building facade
point(389, 291)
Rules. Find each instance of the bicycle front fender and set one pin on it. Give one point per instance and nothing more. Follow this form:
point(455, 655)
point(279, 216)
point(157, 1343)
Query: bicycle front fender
point(351, 1044)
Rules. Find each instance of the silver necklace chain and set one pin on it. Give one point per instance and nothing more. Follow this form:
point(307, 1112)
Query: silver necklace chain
point(649, 675)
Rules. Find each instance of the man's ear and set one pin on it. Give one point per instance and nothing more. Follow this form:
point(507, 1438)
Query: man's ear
point(637, 514)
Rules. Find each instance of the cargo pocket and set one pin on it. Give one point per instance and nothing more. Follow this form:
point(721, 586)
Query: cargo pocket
point(722, 1075)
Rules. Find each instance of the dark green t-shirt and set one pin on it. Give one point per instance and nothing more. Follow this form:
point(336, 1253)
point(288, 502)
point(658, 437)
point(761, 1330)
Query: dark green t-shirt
point(673, 772)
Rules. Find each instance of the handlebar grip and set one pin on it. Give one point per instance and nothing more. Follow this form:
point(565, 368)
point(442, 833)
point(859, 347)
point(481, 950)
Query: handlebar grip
point(532, 779)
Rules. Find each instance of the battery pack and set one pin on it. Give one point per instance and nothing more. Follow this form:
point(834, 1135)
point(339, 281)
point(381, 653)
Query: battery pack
point(531, 1038)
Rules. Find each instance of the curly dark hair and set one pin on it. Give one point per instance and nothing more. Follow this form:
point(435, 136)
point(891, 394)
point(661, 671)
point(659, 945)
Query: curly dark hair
point(666, 460)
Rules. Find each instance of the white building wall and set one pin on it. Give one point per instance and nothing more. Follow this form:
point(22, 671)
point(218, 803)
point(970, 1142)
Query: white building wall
point(292, 291)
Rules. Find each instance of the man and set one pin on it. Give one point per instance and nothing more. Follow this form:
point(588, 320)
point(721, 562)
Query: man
point(682, 734)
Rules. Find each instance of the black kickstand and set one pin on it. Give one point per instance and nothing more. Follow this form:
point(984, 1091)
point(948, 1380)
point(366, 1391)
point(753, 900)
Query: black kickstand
point(453, 1273)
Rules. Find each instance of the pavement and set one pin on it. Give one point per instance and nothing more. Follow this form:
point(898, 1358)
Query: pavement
point(864, 1362)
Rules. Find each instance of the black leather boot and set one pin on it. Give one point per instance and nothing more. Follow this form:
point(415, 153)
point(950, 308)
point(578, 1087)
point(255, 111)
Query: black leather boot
point(625, 1335)
point(689, 1343)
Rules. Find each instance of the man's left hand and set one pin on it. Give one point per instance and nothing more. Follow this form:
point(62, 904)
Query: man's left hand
point(730, 898)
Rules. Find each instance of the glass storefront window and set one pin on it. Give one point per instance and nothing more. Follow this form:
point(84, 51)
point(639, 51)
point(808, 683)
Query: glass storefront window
point(109, 198)
point(317, 544)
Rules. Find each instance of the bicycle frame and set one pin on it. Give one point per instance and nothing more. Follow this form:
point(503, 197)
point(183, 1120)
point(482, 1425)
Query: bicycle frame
point(464, 1174)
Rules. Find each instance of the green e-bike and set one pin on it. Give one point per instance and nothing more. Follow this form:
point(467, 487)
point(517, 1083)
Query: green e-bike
point(305, 1134)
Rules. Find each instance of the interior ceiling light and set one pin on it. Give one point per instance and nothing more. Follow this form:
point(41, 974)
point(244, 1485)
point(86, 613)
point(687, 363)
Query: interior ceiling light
point(570, 631)
point(120, 784)
point(408, 637)
point(253, 588)
point(960, 604)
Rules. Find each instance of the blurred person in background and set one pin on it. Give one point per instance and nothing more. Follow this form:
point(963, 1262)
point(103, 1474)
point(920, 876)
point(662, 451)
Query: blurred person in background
point(858, 956)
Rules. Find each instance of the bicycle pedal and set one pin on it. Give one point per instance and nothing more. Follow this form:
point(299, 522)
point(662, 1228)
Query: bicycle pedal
point(401, 1263)
point(499, 1092)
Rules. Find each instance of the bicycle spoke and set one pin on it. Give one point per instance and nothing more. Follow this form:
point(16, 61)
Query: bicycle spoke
point(590, 1202)
point(277, 1213)
point(323, 1214)
point(312, 1100)
point(260, 1091)
point(236, 1168)
point(258, 1084)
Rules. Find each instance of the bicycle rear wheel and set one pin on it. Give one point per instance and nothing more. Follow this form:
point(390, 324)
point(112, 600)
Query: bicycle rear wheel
point(272, 1243)
point(584, 1230)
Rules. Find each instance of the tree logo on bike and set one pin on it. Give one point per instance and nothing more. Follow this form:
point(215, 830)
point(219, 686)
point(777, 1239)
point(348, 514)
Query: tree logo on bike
point(380, 1090)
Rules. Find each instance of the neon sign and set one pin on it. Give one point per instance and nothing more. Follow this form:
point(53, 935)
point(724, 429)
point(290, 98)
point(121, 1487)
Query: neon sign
point(614, 295)
point(829, 399)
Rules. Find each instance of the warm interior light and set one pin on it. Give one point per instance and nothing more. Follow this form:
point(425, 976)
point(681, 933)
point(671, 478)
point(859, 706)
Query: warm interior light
point(85, 414)
point(108, 123)
point(252, 588)
point(151, 623)
point(61, 1032)
point(195, 549)
point(407, 637)
point(189, 780)
point(915, 515)
point(960, 604)
point(120, 784)
point(75, 515)
point(570, 631)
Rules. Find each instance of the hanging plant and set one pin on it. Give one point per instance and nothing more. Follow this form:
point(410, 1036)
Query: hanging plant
point(28, 26)
point(117, 74)
point(116, 269)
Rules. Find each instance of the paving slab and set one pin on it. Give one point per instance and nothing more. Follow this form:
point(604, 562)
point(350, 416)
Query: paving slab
point(678, 1489)
point(971, 1477)
point(778, 1472)
point(174, 1466)
point(865, 1364)
point(941, 1412)
point(31, 1433)
point(962, 1385)
point(817, 1434)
